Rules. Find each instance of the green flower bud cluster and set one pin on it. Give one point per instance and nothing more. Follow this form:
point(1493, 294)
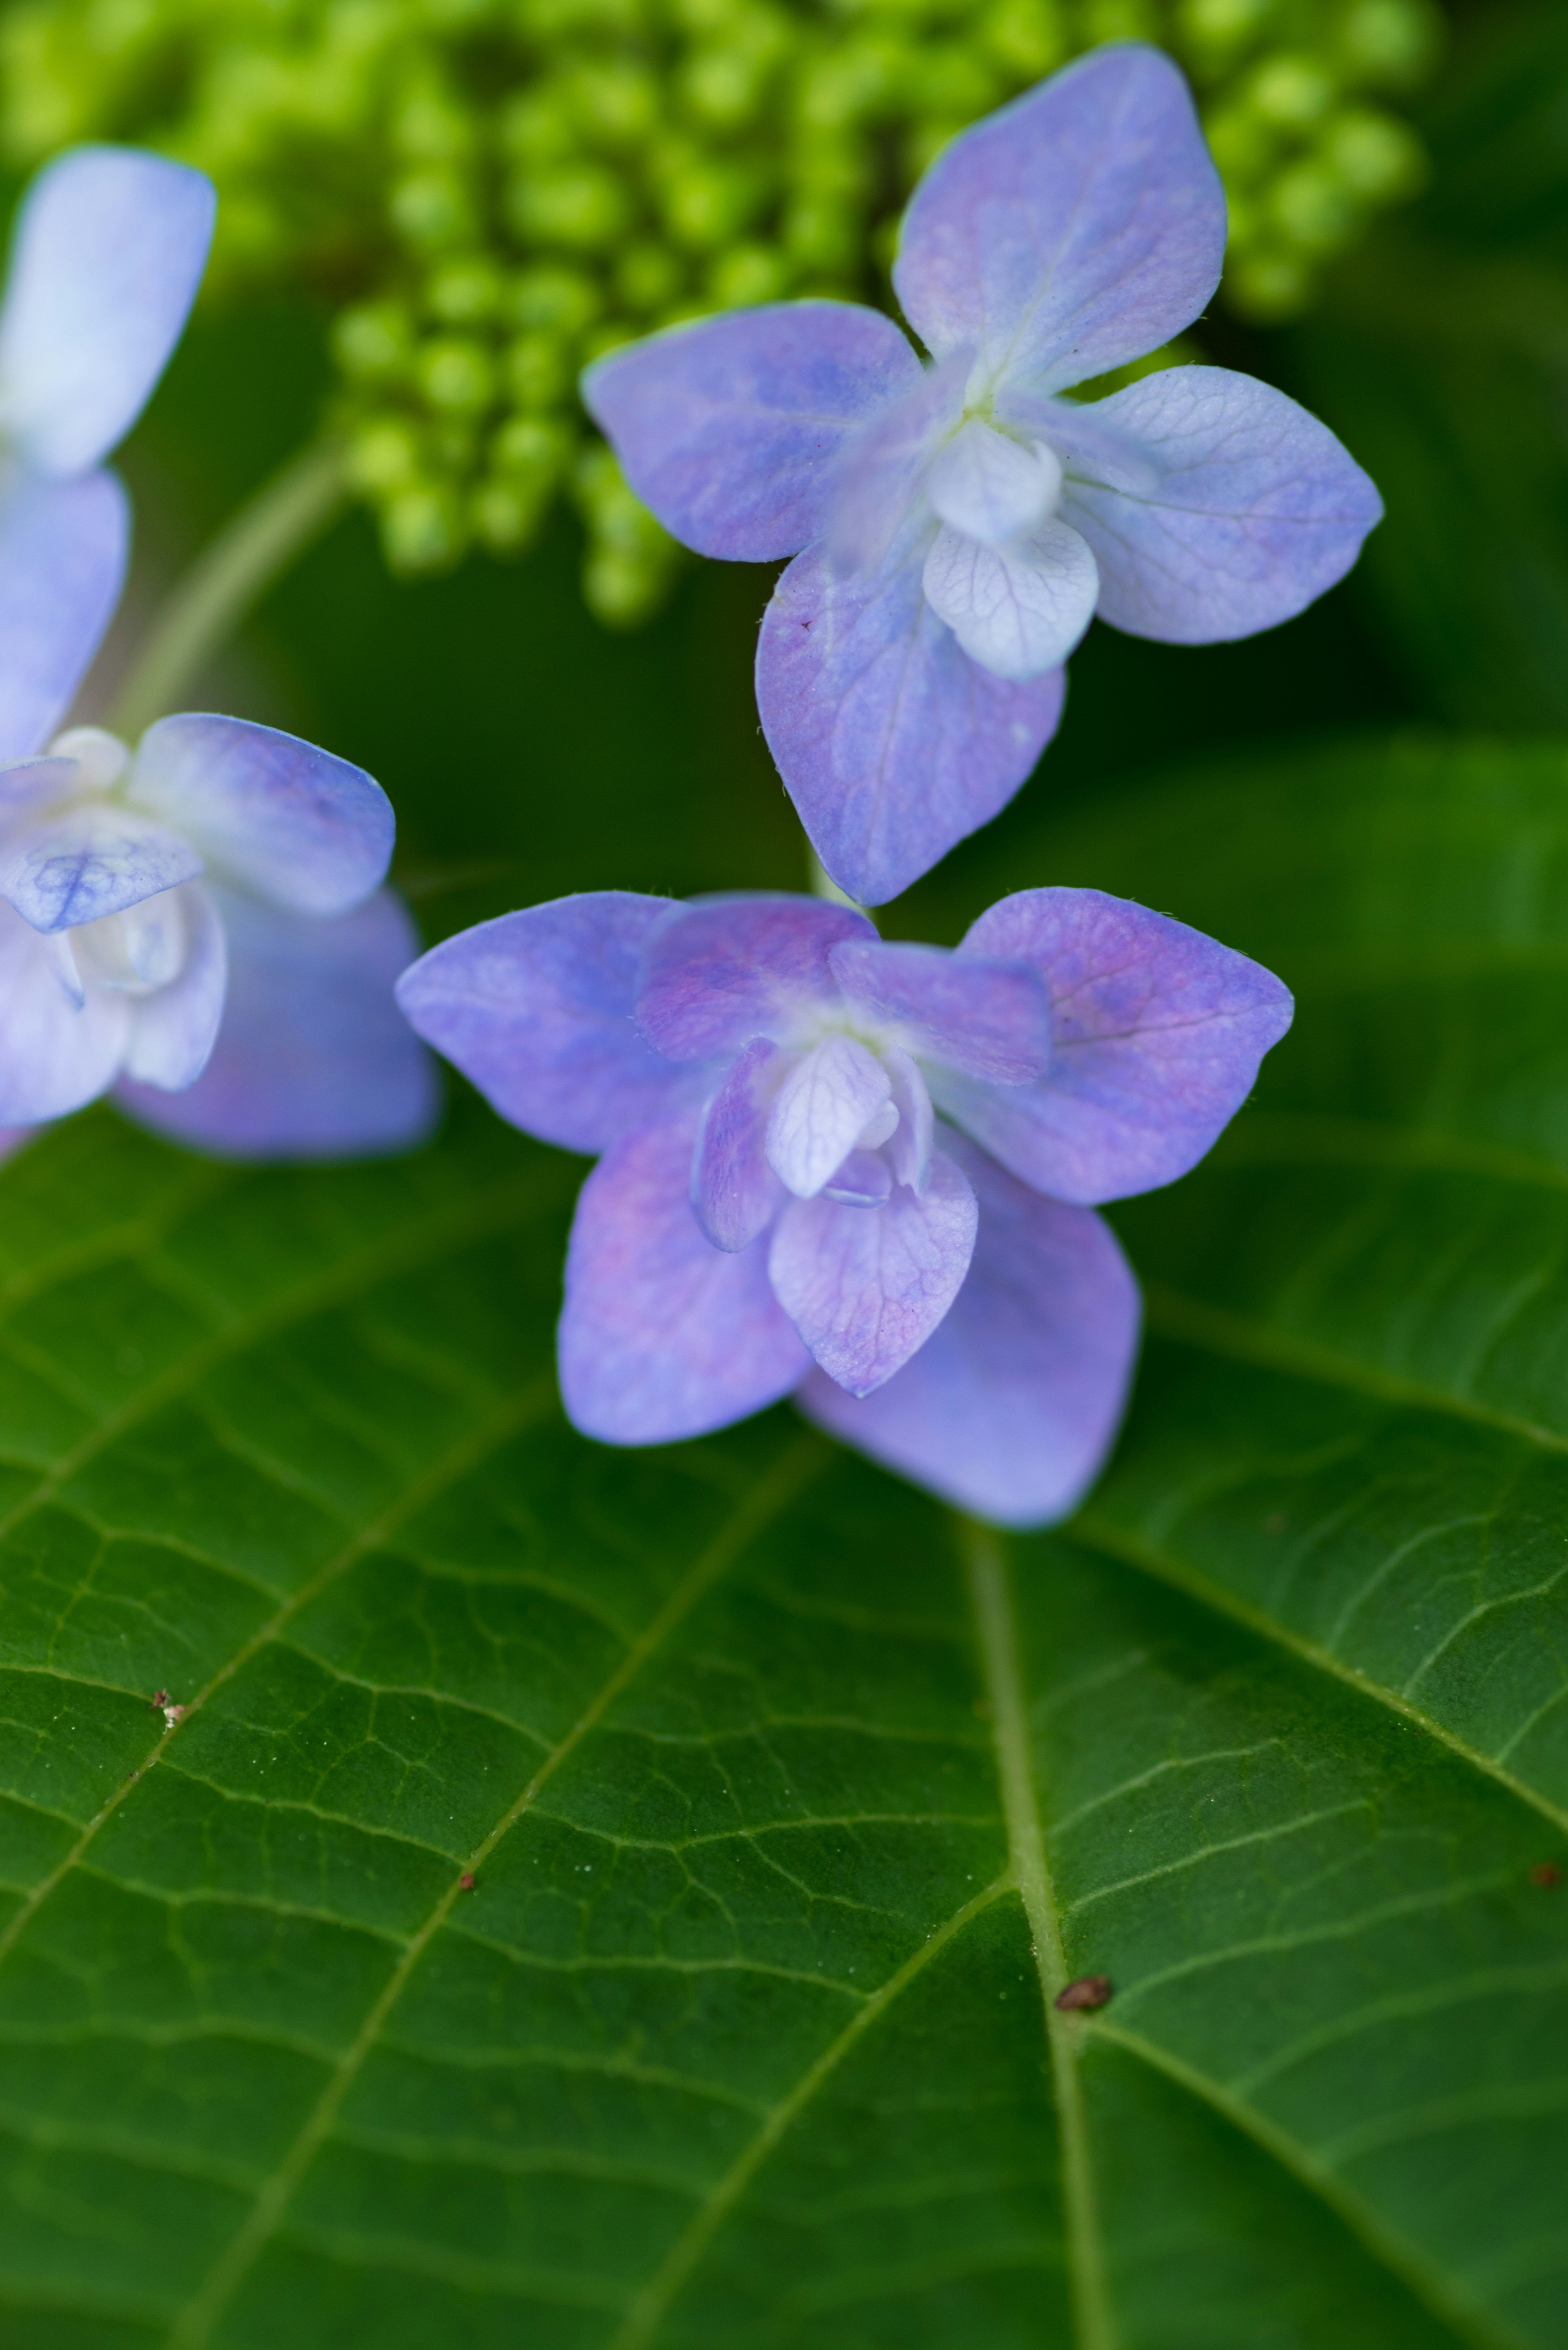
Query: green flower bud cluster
point(495, 190)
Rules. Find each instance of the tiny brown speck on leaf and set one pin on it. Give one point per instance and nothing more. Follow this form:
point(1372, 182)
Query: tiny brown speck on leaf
point(466, 1882)
point(1089, 1991)
point(1546, 1872)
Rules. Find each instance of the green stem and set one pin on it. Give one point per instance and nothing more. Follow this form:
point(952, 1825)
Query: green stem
point(225, 580)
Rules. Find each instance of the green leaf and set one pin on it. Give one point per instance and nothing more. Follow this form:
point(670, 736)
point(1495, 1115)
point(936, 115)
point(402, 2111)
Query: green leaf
point(789, 1802)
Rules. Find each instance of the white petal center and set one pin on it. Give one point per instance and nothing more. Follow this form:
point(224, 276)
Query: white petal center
point(991, 487)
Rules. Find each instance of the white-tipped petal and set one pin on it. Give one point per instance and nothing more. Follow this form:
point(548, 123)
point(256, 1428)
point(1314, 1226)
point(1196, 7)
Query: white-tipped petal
point(991, 487)
point(1018, 614)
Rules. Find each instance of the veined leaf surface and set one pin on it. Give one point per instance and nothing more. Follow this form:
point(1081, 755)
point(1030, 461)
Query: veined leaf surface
point(789, 1802)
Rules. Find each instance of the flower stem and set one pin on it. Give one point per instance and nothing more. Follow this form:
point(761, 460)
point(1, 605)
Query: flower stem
point(208, 604)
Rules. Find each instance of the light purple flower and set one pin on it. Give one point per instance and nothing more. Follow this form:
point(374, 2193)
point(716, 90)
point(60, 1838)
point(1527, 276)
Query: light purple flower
point(109, 247)
point(955, 526)
point(792, 1193)
point(198, 924)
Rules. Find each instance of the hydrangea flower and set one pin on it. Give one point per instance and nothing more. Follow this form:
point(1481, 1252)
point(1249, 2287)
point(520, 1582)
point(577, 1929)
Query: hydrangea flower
point(859, 1172)
point(197, 924)
point(107, 249)
point(955, 525)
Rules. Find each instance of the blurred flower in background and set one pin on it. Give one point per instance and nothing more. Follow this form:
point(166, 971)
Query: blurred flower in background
point(493, 193)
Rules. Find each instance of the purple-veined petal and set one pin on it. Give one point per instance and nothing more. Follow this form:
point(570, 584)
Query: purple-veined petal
point(313, 1059)
point(892, 744)
point(107, 252)
point(730, 429)
point(60, 1043)
point(1257, 509)
point(990, 1019)
point(865, 1181)
point(908, 1146)
point(1017, 610)
point(1012, 1405)
point(1070, 231)
point(866, 1287)
point(91, 860)
point(662, 1335)
point(1157, 1030)
point(825, 1100)
point(172, 1031)
point(989, 486)
point(291, 824)
point(535, 1009)
point(62, 560)
point(734, 1191)
point(728, 969)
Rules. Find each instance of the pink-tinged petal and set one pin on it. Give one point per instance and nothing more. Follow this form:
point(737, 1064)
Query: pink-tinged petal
point(1017, 610)
point(734, 1191)
point(728, 969)
point(1070, 231)
point(61, 1045)
point(908, 1146)
point(1158, 1033)
point(866, 1287)
point(174, 1031)
point(664, 1335)
point(91, 860)
point(1257, 511)
point(990, 1019)
point(892, 744)
point(730, 429)
point(988, 486)
point(12, 1137)
point(313, 1059)
point(825, 1100)
point(107, 252)
point(291, 824)
point(1012, 1405)
point(535, 1009)
point(63, 547)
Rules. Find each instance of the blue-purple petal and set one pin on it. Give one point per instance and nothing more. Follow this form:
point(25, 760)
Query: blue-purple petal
point(1010, 1408)
point(535, 1009)
point(734, 1191)
point(1158, 1033)
point(730, 429)
point(309, 832)
point(1257, 509)
point(63, 548)
point(662, 1335)
point(990, 1019)
point(892, 744)
point(107, 252)
point(1070, 232)
point(313, 1059)
point(726, 970)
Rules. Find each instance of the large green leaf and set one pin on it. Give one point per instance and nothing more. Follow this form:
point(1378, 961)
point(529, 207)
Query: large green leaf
point(788, 1801)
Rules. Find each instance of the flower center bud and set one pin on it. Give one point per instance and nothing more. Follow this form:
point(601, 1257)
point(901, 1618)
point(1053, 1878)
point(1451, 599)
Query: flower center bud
point(102, 757)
